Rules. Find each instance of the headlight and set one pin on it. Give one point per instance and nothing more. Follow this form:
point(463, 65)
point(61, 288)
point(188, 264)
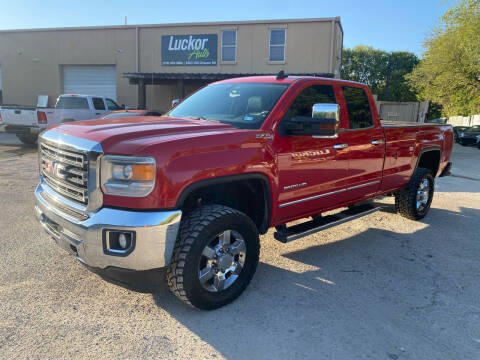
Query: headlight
point(132, 176)
point(462, 134)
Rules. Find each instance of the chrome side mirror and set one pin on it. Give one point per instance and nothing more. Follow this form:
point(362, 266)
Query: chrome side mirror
point(330, 116)
point(326, 111)
point(324, 122)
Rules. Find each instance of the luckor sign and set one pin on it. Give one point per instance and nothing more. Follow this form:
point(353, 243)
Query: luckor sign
point(188, 50)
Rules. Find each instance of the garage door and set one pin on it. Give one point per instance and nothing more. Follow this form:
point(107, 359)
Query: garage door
point(90, 80)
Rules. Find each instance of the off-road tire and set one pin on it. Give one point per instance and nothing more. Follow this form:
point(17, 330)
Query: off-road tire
point(197, 228)
point(29, 140)
point(406, 199)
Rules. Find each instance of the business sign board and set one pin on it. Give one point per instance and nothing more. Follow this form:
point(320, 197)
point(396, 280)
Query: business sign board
point(189, 50)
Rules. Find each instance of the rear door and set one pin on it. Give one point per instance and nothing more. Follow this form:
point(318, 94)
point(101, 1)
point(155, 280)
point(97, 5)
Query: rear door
point(366, 147)
point(312, 171)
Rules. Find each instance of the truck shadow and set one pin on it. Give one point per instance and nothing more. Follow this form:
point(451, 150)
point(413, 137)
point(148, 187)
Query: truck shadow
point(370, 294)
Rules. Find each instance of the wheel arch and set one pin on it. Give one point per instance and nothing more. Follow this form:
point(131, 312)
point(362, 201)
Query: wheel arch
point(429, 158)
point(238, 180)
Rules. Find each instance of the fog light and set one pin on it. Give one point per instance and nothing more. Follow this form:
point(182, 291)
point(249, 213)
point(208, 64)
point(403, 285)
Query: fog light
point(118, 243)
point(123, 241)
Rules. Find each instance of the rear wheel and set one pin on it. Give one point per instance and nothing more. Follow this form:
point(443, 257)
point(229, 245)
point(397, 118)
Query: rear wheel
point(413, 202)
point(29, 140)
point(215, 257)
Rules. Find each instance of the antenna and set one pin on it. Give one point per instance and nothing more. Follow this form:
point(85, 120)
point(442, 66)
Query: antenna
point(281, 75)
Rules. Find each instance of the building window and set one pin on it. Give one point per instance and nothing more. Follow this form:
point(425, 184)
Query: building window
point(229, 45)
point(277, 45)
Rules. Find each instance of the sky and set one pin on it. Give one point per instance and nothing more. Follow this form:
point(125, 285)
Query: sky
point(389, 24)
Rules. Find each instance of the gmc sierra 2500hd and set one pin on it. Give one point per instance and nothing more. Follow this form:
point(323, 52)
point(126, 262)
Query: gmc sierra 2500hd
point(192, 190)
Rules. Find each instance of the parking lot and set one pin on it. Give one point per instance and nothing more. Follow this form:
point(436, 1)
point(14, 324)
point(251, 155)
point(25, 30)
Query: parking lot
point(381, 287)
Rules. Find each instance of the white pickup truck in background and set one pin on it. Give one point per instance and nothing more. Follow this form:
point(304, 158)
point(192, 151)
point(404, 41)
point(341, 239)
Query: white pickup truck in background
point(28, 122)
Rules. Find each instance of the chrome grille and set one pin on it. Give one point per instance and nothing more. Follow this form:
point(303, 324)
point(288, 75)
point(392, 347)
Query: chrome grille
point(65, 171)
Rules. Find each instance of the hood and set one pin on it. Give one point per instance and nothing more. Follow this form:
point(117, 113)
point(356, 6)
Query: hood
point(125, 133)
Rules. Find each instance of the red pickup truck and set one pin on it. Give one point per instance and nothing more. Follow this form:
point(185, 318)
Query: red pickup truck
point(192, 190)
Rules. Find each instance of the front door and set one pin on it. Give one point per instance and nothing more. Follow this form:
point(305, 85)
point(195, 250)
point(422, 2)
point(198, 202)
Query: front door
point(312, 171)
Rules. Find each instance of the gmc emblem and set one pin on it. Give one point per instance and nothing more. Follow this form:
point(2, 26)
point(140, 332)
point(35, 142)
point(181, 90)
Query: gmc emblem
point(54, 169)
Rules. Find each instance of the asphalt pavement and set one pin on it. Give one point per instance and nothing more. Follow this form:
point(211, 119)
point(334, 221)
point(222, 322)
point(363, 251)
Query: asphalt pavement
point(380, 287)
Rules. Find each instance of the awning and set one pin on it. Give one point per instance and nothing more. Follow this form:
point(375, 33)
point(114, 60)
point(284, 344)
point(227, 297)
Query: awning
point(167, 77)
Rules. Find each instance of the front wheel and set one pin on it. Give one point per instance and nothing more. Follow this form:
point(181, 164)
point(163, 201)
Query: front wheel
point(215, 257)
point(413, 202)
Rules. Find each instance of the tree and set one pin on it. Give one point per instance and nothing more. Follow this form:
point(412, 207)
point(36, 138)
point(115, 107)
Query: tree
point(449, 72)
point(383, 71)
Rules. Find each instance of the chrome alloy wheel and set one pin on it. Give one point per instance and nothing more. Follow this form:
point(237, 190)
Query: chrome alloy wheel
point(423, 194)
point(222, 261)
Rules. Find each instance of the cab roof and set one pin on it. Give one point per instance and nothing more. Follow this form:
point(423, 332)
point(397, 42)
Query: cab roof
point(288, 79)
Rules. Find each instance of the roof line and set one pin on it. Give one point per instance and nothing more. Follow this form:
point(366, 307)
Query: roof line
point(213, 23)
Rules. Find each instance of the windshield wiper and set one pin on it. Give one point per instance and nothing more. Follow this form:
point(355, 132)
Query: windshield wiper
point(200, 118)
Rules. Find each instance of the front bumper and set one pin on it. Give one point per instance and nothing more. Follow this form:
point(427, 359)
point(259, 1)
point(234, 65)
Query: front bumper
point(155, 233)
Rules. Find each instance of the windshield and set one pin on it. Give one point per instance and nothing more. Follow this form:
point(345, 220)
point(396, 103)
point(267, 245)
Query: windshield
point(243, 105)
point(475, 128)
point(121, 114)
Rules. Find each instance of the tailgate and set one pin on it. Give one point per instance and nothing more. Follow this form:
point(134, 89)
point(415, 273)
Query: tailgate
point(22, 117)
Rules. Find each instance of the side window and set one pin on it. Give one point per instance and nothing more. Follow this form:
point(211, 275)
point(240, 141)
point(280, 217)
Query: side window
point(98, 104)
point(358, 107)
point(303, 103)
point(112, 105)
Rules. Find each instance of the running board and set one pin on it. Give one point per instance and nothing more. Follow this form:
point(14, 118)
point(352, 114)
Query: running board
point(286, 234)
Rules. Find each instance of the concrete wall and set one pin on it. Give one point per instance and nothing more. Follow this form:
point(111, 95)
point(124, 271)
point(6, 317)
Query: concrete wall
point(464, 120)
point(31, 60)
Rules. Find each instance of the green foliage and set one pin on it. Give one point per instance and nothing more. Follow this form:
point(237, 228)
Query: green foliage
point(449, 72)
point(383, 71)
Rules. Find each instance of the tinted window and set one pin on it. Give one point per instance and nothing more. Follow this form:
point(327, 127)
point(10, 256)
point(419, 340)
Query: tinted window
point(243, 105)
point(277, 44)
point(303, 103)
point(98, 104)
point(71, 102)
point(112, 105)
point(358, 107)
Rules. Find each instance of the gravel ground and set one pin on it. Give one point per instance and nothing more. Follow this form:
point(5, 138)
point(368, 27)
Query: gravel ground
point(381, 287)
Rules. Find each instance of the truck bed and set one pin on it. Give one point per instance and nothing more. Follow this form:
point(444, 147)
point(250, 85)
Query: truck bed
point(402, 148)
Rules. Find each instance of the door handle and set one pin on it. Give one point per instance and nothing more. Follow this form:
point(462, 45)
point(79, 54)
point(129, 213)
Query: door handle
point(377, 142)
point(340, 146)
